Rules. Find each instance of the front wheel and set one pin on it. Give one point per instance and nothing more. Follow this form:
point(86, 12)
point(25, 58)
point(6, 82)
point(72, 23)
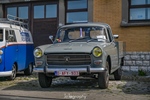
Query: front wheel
point(29, 70)
point(44, 80)
point(103, 78)
point(14, 72)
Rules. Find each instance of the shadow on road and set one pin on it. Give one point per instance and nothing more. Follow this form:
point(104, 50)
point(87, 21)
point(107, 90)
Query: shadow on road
point(81, 84)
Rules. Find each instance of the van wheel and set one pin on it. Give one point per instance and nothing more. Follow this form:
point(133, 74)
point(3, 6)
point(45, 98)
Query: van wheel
point(44, 80)
point(118, 74)
point(14, 72)
point(29, 70)
point(103, 78)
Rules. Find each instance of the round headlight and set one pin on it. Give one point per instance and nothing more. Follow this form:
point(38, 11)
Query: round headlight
point(38, 53)
point(97, 52)
point(1, 52)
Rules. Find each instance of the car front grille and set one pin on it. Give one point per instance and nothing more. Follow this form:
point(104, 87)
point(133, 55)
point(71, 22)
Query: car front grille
point(68, 59)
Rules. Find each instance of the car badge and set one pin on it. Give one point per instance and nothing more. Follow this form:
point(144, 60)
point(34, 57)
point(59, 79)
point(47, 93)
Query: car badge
point(67, 59)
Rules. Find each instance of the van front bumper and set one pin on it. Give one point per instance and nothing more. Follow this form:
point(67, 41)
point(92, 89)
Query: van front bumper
point(6, 73)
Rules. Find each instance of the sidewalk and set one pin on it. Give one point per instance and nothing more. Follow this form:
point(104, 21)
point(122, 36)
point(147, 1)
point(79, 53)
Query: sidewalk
point(133, 75)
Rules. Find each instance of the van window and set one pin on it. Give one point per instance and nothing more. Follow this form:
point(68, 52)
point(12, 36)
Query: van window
point(6, 34)
point(1, 35)
point(12, 32)
point(10, 36)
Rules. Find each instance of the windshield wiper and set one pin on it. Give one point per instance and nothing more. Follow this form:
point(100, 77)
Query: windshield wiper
point(77, 39)
point(96, 39)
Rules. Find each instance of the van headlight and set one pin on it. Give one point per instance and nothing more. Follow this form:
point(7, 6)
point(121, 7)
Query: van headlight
point(1, 52)
point(97, 52)
point(38, 53)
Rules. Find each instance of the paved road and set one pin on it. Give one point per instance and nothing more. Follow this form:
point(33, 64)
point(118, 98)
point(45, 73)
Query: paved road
point(27, 88)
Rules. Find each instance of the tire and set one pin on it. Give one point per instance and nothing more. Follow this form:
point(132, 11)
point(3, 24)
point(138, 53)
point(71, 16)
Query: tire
point(73, 77)
point(14, 72)
point(103, 78)
point(29, 70)
point(44, 80)
point(118, 74)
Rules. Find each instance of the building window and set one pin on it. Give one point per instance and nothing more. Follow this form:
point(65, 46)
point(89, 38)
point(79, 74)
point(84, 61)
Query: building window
point(23, 12)
point(139, 10)
point(45, 11)
point(135, 12)
point(51, 11)
point(39, 11)
point(18, 11)
point(12, 11)
point(76, 8)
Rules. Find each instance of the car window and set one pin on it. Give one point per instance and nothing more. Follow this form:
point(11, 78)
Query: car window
point(109, 34)
point(95, 34)
point(76, 34)
point(81, 34)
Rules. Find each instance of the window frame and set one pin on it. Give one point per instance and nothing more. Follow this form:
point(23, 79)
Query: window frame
point(126, 5)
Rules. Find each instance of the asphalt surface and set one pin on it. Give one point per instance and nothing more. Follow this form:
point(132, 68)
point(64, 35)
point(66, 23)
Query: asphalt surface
point(27, 88)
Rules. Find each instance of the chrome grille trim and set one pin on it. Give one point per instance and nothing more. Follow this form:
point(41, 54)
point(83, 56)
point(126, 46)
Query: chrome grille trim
point(68, 59)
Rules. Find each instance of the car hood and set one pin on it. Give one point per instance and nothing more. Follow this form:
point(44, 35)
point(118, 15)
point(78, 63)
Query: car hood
point(73, 47)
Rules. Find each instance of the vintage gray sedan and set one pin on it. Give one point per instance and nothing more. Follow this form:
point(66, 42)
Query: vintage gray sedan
point(86, 49)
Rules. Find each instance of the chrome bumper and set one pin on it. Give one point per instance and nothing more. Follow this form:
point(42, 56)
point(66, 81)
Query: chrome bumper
point(6, 73)
point(81, 70)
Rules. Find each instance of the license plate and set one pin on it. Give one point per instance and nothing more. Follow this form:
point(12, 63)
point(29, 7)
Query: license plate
point(67, 73)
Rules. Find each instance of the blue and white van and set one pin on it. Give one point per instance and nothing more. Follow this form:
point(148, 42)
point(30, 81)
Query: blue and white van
point(16, 49)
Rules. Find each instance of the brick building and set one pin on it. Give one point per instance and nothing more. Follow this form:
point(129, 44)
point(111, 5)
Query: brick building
point(130, 19)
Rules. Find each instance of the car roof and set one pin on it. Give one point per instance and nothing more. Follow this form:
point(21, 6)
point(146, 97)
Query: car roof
point(85, 24)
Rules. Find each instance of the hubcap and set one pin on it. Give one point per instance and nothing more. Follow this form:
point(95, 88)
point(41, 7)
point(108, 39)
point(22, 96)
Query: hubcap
point(14, 71)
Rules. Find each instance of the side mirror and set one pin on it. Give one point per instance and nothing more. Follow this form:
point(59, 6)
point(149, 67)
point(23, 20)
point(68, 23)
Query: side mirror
point(51, 38)
point(116, 36)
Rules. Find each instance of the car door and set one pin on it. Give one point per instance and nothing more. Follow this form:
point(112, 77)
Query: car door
point(11, 49)
point(114, 50)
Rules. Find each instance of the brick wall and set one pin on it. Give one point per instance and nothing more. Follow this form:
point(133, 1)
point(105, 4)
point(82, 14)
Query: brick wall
point(137, 38)
point(135, 61)
point(110, 11)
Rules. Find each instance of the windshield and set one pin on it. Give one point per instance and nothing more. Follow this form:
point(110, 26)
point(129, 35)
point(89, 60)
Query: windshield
point(81, 34)
point(1, 35)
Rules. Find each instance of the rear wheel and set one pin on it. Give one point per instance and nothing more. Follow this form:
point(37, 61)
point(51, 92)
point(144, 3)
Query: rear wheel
point(29, 70)
point(14, 72)
point(118, 74)
point(103, 78)
point(44, 80)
